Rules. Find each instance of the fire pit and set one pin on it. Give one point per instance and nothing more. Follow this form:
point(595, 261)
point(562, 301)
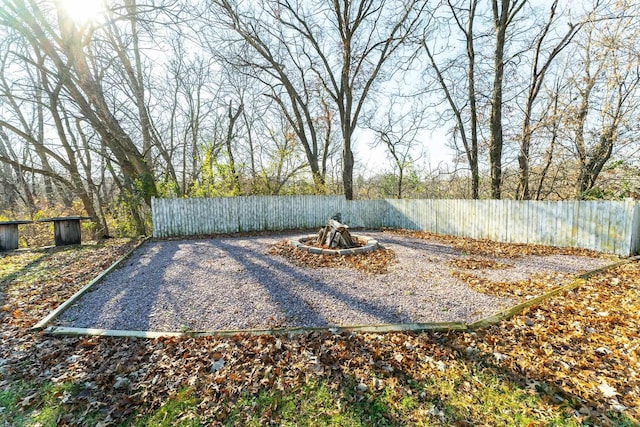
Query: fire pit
point(335, 239)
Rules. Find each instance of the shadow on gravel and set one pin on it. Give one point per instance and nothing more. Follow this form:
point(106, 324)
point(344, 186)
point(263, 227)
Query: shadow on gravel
point(289, 302)
point(127, 307)
point(411, 243)
point(232, 283)
point(149, 278)
point(162, 279)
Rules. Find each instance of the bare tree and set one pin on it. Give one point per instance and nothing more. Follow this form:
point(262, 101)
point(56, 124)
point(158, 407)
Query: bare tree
point(83, 64)
point(504, 13)
point(398, 132)
point(604, 96)
point(464, 108)
point(296, 41)
point(543, 58)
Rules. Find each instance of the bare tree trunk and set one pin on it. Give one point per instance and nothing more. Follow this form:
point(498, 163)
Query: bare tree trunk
point(504, 11)
point(549, 154)
point(233, 118)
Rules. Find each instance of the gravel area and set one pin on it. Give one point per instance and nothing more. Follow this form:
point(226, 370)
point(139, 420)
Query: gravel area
point(232, 283)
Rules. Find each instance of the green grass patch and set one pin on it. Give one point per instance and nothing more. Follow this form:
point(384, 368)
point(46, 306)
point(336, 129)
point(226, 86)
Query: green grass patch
point(41, 404)
point(16, 265)
point(10, 414)
point(177, 411)
point(313, 404)
point(448, 400)
point(479, 396)
point(460, 396)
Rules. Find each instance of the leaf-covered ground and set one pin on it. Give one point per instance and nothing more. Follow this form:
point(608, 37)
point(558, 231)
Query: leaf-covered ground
point(372, 262)
point(571, 360)
point(490, 248)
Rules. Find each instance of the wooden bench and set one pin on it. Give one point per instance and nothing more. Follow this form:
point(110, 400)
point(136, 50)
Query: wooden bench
point(9, 234)
point(66, 229)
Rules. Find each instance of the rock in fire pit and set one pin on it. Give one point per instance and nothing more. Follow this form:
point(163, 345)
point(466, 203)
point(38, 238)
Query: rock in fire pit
point(335, 239)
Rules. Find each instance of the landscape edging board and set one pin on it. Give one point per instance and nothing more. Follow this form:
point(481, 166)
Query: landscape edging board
point(382, 328)
point(62, 307)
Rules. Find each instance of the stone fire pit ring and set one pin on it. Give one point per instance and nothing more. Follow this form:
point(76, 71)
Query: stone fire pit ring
point(369, 246)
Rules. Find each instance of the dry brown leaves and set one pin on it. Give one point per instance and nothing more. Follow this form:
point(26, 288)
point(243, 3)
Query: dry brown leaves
point(478, 264)
point(584, 343)
point(535, 285)
point(67, 270)
point(489, 248)
point(376, 262)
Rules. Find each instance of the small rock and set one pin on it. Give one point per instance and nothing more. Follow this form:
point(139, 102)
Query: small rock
point(121, 382)
point(217, 365)
point(409, 346)
point(590, 330)
point(398, 357)
point(362, 387)
point(387, 368)
point(529, 322)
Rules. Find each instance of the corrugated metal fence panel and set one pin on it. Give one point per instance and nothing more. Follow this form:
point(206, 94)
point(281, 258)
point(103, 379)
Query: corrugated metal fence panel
point(605, 226)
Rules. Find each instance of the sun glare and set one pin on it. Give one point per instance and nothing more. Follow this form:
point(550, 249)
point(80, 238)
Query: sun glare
point(84, 11)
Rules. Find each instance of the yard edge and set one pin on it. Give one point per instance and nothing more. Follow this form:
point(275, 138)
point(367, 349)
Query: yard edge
point(62, 307)
point(578, 281)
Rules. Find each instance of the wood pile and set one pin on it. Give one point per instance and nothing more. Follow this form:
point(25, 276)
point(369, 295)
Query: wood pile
point(335, 235)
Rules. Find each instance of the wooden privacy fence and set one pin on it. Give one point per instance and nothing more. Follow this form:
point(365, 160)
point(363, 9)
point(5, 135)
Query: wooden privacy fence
point(606, 226)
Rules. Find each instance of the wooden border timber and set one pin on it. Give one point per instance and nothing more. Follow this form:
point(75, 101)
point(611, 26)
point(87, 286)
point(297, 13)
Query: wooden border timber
point(62, 307)
point(383, 328)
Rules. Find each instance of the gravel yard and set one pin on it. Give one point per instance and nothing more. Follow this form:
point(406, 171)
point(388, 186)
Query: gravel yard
point(232, 283)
